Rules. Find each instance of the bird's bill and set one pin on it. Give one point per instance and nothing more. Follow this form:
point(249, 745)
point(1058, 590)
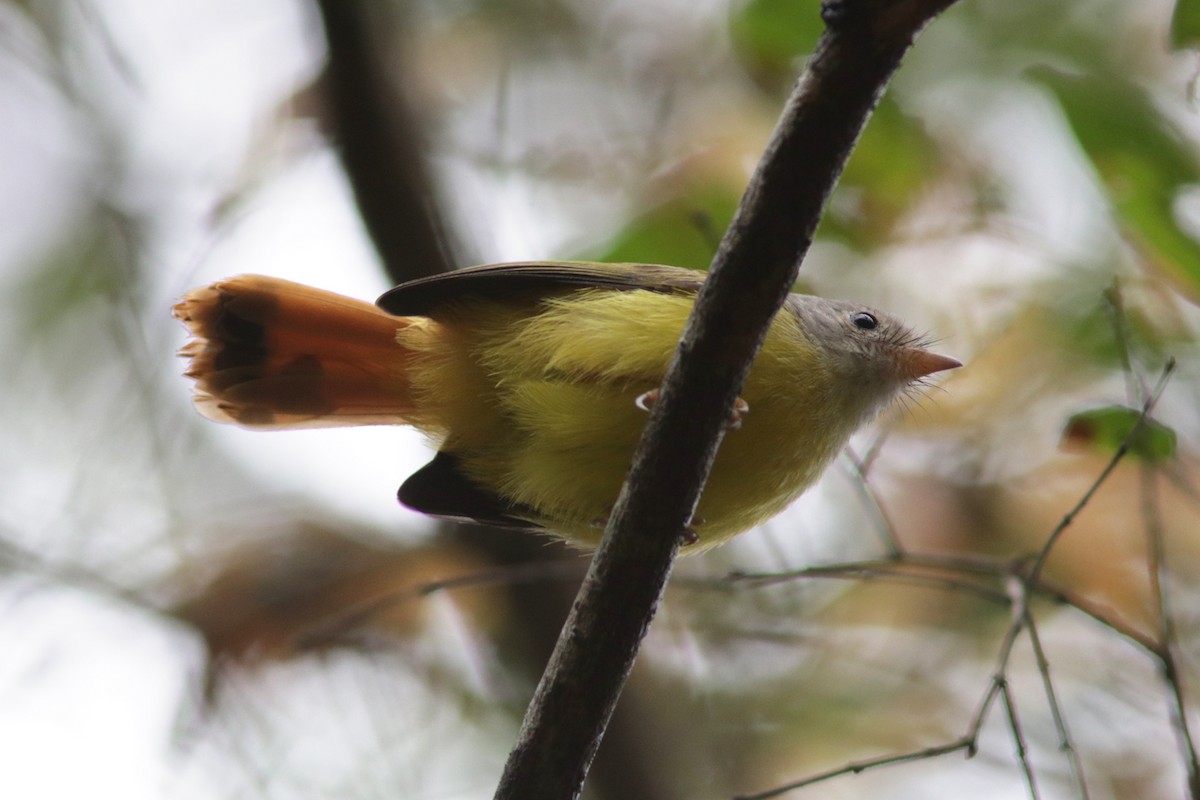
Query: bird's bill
point(917, 363)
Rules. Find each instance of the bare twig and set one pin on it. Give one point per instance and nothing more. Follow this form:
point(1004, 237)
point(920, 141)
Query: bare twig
point(910, 564)
point(324, 632)
point(1104, 616)
point(861, 479)
point(1157, 570)
point(1020, 584)
point(980, 566)
point(1014, 725)
point(1156, 566)
point(893, 571)
point(868, 459)
point(29, 564)
point(754, 268)
point(1135, 387)
point(1123, 450)
point(966, 744)
point(1065, 743)
point(1019, 594)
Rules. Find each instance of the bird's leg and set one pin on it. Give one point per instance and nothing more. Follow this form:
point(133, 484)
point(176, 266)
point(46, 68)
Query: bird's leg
point(646, 399)
point(739, 410)
point(734, 421)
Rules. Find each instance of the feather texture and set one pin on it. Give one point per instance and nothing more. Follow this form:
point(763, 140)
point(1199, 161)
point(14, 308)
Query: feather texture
point(527, 377)
point(269, 353)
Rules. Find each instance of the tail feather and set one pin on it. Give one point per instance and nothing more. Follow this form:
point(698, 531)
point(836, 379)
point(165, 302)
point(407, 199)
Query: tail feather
point(269, 353)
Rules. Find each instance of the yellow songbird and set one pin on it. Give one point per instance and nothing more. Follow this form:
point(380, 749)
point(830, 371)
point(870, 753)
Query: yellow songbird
point(532, 381)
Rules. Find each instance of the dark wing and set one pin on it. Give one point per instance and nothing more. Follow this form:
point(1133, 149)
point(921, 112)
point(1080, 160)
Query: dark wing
point(439, 489)
point(424, 295)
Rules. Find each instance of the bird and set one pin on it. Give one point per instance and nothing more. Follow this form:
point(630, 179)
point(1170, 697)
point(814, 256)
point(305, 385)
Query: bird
point(532, 380)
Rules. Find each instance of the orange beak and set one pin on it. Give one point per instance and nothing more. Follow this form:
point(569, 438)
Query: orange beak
point(917, 363)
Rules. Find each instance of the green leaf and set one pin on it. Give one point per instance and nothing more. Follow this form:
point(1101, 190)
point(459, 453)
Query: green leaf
point(771, 34)
point(684, 231)
point(893, 163)
point(1144, 164)
point(1108, 428)
point(1185, 24)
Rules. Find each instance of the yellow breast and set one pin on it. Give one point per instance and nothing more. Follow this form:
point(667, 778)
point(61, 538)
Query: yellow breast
point(540, 407)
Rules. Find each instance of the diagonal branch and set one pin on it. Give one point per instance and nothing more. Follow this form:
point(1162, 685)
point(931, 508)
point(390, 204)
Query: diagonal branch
point(755, 266)
point(380, 140)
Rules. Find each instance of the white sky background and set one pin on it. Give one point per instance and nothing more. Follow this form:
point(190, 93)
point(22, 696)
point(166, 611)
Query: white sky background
point(82, 716)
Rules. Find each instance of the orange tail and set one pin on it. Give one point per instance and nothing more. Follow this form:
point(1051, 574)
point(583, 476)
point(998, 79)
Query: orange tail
point(269, 353)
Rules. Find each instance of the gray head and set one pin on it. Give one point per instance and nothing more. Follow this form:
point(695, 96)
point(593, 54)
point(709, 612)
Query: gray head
point(873, 355)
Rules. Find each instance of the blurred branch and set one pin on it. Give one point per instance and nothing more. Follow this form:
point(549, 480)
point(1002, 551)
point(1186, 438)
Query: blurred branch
point(1168, 645)
point(1066, 744)
point(380, 140)
point(856, 767)
point(934, 571)
point(862, 484)
point(968, 743)
point(27, 563)
point(754, 269)
point(1022, 579)
point(382, 150)
point(1123, 450)
point(1156, 561)
point(347, 621)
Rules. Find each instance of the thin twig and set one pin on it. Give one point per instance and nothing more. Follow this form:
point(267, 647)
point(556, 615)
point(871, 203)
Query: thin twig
point(968, 743)
point(1065, 742)
point(910, 566)
point(1135, 387)
point(323, 632)
point(964, 744)
point(1104, 616)
point(1014, 725)
point(868, 459)
point(20, 560)
point(890, 571)
point(975, 565)
point(1018, 591)
point(1167, 641)
point(1017, 596)
point(1020, 584)
point(1122, 450)
point(861, 481)
point(1156, 566)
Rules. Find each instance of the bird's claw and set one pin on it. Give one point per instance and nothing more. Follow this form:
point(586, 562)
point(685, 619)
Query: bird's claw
point(739, 410)
point(646, 400)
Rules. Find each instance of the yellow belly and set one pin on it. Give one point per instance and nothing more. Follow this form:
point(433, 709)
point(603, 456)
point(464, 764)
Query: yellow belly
point(540, 408)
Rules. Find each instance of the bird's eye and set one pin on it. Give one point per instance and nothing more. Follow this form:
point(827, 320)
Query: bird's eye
point(864, 321)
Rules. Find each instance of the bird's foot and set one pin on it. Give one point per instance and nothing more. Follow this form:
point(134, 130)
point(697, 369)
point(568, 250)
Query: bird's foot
point(646, 400)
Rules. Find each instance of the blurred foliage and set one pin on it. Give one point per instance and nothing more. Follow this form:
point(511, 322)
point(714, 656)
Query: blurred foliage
point(1115, 427)
point(683, 231)
point(893, 165)
point(1185, 23)
point(771, 36)
point(1144, 163)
